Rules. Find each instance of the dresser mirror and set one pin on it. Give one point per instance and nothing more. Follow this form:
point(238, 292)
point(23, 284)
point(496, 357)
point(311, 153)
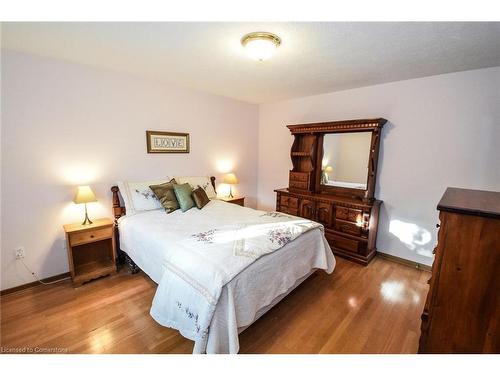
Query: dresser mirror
point(345, 160)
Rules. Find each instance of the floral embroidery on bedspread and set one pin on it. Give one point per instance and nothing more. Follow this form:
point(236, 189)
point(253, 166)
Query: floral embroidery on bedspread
point(192, 316)
point(280, 236)
point(206, 237)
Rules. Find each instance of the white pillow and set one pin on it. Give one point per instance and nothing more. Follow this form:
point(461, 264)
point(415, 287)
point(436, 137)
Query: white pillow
point(137, 196)
point(195, 181)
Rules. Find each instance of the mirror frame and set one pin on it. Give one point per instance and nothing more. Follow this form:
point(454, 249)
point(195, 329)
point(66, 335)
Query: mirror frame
point(374, 126)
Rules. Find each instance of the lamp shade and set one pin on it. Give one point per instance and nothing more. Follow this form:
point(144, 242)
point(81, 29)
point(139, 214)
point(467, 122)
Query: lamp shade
point(230, 179)
point(328, 169)
point(84, 195)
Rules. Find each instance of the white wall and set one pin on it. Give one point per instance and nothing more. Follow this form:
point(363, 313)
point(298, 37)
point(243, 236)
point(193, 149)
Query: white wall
point(443, 131)
point(65, 124)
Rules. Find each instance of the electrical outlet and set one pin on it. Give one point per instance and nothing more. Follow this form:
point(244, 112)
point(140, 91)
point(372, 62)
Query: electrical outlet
point(20, 252)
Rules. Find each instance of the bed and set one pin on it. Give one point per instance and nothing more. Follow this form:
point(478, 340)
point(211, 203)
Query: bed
point(167, 248)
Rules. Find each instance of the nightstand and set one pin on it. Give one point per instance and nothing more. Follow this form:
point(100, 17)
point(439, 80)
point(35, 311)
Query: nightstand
point(91, 250)
point(236, 200)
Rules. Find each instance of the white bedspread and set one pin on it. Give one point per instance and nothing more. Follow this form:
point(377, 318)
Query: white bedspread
point(156, 241)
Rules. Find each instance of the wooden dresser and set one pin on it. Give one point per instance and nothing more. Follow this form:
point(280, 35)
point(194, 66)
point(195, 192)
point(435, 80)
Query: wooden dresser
point(350, 225)
point(462, 310)
point(348, 211)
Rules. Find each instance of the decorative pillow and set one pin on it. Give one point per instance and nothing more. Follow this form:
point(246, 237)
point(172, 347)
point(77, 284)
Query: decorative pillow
point(138, 197)
point(166, 196)
point(202, 181)
point(183, 195)
point(200, 197)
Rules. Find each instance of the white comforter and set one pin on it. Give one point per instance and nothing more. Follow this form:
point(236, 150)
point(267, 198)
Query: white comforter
point(200, 256)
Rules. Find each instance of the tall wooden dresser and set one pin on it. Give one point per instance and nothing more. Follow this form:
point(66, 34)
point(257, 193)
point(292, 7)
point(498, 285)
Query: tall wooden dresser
point(348, 210)
point(462, 311)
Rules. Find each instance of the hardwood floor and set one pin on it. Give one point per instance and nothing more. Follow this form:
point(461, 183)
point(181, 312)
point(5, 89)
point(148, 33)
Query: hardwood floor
point(374, 309)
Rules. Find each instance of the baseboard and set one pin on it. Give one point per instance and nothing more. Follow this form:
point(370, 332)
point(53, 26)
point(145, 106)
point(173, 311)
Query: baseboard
point(35, 283)
point(407, 262)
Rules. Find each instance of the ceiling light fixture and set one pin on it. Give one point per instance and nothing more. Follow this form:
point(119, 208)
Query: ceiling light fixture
point(260, 45)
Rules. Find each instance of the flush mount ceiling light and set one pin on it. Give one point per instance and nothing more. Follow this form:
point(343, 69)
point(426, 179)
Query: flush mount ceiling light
point(260, 45)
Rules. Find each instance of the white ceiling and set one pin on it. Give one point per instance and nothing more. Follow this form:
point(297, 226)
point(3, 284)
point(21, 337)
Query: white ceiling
point(314, 58)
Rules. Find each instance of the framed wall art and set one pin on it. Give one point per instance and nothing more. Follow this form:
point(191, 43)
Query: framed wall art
point(167, 142)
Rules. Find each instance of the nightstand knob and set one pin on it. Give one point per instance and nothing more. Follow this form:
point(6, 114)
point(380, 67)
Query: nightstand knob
point(91, 236)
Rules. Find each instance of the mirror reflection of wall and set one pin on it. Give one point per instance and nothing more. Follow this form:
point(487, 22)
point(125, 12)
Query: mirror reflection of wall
point(345, 159)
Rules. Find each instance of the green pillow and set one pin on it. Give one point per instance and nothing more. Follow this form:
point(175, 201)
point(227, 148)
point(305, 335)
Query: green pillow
point(166, 196)
point(183, 195)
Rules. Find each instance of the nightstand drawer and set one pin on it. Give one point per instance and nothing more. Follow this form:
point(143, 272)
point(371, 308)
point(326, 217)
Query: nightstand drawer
point(79, 238)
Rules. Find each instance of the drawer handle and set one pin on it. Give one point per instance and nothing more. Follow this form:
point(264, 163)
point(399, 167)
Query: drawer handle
point(91, 236)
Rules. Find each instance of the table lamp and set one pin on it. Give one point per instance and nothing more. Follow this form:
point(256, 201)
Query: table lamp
point(231, 180)
point(85, 195)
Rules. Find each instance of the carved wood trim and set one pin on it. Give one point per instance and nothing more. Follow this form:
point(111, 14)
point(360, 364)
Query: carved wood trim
point(118, 210)
point(373, 161)
point(212, 180)
point(338, 126)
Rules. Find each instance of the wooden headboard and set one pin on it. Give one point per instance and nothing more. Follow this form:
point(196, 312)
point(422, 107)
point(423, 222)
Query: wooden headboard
point(119, 210)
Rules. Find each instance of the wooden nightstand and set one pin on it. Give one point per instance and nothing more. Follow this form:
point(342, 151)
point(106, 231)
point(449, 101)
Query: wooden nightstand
point(236, 200)
point(91, 250)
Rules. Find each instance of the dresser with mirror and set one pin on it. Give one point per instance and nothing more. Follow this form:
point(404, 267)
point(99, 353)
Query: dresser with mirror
point(333, 182)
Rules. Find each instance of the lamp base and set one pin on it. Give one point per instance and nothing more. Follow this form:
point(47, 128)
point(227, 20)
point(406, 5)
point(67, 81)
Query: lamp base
point(87, 221)
point(230, 192)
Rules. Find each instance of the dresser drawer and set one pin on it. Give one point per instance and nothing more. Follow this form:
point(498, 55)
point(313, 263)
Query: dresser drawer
point(342, 242)
point(293, 203)
point(348, 214)
point(284, 200)
point(299, 176)
point(341, 213)
point(347, 227)
point(299, 185)
point(354, 215)
point(79, 238)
